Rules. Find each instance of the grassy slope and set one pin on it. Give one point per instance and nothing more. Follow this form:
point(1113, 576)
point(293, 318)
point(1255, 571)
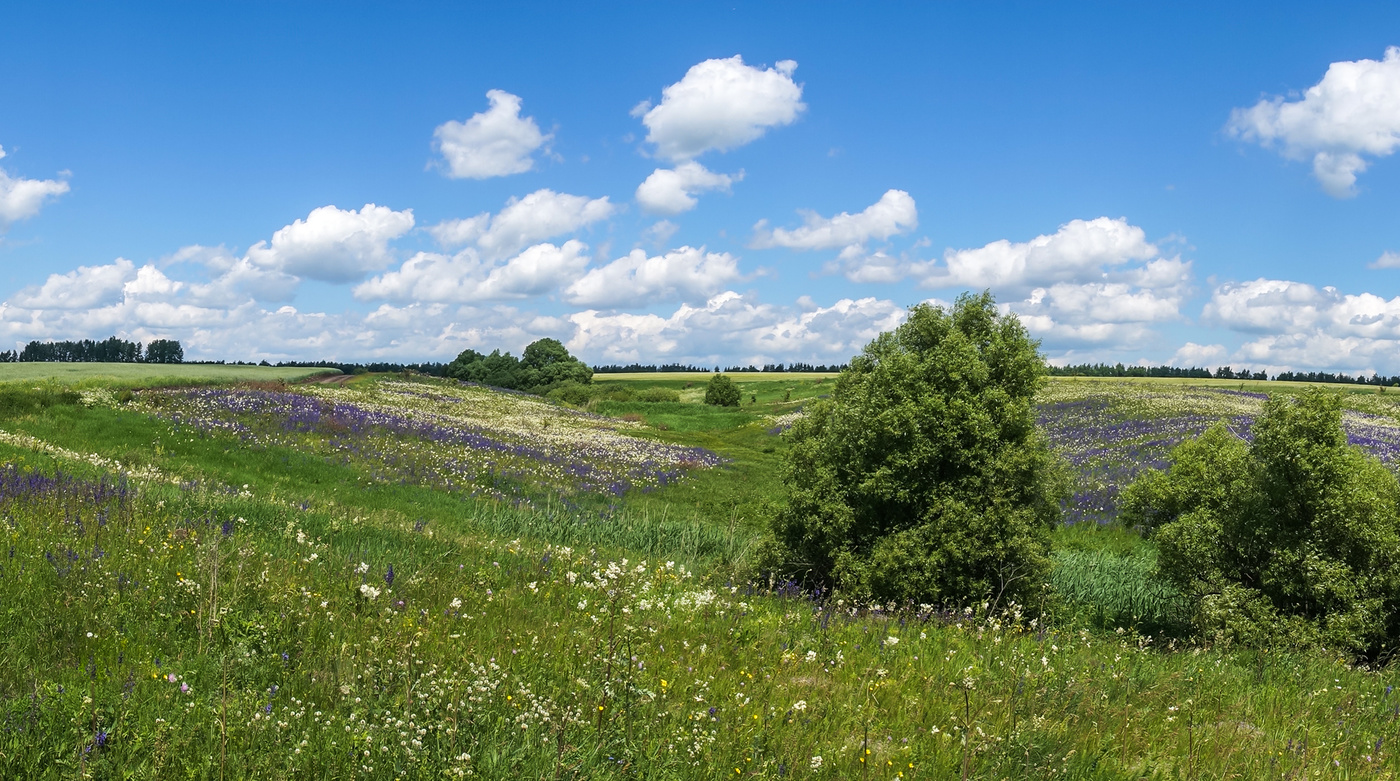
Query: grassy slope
point(134, 374)
point(633, 679)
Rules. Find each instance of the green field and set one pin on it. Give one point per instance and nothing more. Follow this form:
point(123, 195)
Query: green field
point(198, 585)
point(134, 374)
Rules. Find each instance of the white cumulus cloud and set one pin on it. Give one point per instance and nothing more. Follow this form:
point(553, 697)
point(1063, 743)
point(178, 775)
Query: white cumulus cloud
point(22, 198)
point(671, 191)
point(1386, 260)
point(334, 245)
point(82, 288)
point(1210, 356)
point(636, 280)
point(151, 284)
point(466, 277)
point(451, 234)
point(731, 327)
point(1079, 251)
point(1352, 113)
point(1298, 325)
point(721, 104)
point(895, 213)
point(496, 142)
point(541, 215)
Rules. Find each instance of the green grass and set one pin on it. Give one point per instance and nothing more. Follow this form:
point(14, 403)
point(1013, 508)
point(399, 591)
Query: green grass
point(141, 374)
point(1253, 386)
point(518, 643)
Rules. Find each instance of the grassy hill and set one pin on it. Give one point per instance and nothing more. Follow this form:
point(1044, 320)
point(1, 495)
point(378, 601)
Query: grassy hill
point(394, 578)
point(150, 374)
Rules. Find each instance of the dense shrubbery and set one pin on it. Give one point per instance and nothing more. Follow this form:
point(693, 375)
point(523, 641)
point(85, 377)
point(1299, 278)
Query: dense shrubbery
point(923, 477)
point(722, 392)
point(1293, 539)
point(580, 395)
point(543, 366)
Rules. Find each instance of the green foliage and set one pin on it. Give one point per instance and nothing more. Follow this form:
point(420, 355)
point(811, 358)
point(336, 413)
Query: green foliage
point(578, 394)
point(16, 400)
point(514, 658)
point(1294, 539)
point(164, 351)
point(722, 392)
point(1108, 591)
point(658, 395)
point(544, 366)
point(547, 363)
point(923, 478)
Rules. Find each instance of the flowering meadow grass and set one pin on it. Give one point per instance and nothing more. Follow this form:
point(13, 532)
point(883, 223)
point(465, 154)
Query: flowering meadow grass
point(147, 374)
point(222, 603)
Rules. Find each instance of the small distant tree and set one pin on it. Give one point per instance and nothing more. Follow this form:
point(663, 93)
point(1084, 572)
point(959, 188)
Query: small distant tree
point(164, 351)
point(923, 477)
point(722, 392)
point(1292, 539)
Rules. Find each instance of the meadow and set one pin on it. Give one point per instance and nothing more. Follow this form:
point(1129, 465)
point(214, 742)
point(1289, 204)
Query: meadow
point(133, 374)
point(400, 577)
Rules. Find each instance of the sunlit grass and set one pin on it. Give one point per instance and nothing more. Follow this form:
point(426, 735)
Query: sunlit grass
point(144, 374)
point(230, 613)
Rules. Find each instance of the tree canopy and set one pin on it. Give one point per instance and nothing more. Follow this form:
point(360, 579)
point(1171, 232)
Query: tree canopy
point(923, 477)
point(722, 392)
point(1293, 538)
point(544, 365)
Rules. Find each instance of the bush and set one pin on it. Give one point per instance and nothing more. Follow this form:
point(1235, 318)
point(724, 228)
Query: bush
point(722, 392)
point(658, 395)
point(1294, 539)
point(572, 393)
point(923, 478)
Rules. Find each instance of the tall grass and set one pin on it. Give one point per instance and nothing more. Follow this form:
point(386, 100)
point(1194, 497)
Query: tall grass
point(208, 630)
point(1111, 591)
point(195, 634)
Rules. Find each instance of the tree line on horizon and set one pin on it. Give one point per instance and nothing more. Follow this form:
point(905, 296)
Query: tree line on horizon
point(637, 368)
point(109, 350)
point(1221, 373)
point(116, 350)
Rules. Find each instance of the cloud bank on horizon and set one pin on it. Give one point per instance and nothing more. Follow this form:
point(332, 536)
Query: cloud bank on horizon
point(376, 281)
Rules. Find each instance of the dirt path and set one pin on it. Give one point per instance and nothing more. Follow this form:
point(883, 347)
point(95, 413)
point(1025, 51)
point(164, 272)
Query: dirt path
point(329, 379)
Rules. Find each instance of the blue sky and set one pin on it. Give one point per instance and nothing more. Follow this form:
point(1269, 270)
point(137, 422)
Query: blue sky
point(704, 183)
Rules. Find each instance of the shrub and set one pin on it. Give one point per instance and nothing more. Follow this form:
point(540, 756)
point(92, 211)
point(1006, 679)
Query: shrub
point(572, 393)
point(722, 392)
point(923, 477)
point(658, 395)
point(1294, 539)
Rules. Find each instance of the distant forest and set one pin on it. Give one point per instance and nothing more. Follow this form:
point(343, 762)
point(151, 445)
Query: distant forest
point(110, 350)
point(116, 350)
point(676, 367)
point(1222, 373)
point(430, 368)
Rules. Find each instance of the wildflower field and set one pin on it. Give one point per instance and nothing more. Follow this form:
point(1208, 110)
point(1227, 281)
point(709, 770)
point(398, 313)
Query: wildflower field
point(398, 577)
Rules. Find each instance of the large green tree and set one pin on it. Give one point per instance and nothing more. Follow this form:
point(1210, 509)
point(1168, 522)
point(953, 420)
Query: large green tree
point(923, 477)
point(547, 363)
point(544, 365)
point(1291, 539)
